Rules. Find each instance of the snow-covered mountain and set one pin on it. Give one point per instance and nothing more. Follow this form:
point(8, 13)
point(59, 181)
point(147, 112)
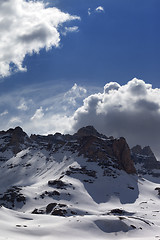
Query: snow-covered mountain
point(77, 186)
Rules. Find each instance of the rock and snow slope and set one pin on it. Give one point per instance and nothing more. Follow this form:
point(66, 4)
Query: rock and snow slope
point(77, 187)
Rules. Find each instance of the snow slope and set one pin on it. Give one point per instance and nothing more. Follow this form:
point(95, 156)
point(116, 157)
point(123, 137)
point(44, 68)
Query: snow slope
point(53, 192)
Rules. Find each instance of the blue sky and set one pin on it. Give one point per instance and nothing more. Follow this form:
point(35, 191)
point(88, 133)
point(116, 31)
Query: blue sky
point(117, 45)
point(89, 43)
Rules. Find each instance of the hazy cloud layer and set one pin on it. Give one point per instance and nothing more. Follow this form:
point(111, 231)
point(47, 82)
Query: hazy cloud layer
point(131, 110)
point(25, 28)
point(3, 113)
point(42, 108)
point(22, 105)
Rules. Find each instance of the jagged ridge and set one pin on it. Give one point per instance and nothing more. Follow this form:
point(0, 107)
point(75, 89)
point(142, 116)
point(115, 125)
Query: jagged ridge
point(86, 140)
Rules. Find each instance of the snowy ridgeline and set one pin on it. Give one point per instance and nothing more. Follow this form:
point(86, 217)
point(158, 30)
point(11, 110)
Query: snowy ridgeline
point(81, 186)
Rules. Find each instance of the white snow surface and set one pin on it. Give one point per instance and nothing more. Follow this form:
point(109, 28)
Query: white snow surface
point(92, 198)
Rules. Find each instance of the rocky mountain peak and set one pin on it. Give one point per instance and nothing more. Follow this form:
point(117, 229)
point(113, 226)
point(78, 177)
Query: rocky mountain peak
point(17, 135)
point(147, 151)
point(87, 131)
point(14, 139)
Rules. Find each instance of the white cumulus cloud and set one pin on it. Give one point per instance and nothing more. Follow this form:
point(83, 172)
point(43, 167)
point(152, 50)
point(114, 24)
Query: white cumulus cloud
point(25, 28)
point(131, 110)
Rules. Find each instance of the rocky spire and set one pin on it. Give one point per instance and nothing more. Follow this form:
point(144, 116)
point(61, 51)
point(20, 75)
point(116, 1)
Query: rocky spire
point(122, 152)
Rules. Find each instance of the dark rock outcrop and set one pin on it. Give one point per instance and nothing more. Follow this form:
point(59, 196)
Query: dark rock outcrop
point(18, 137)
point(15, 139)
point(12, 196)
point(88, 131)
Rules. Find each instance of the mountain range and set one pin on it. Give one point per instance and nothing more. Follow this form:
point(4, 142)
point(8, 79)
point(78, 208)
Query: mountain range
point(80, 186)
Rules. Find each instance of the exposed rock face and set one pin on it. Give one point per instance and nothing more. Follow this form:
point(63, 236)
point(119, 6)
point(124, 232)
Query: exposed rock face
point(97, 147)
point(122, 153)
point(11, 196)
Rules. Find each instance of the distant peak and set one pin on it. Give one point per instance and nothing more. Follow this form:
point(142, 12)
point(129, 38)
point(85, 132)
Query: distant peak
point(143, 151)
point(137, 149)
